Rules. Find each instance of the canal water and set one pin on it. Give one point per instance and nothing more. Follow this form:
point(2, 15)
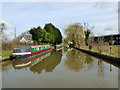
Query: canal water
point(67, 68)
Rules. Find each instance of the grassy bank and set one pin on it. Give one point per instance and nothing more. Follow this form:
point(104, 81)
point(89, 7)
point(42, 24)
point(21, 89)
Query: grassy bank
point(5, 54)
point(111, 50)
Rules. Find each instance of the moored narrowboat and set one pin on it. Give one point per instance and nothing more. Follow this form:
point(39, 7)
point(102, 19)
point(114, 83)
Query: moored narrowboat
point(28, 51)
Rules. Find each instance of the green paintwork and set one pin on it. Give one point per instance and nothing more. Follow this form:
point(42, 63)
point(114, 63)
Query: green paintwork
point(35, 49)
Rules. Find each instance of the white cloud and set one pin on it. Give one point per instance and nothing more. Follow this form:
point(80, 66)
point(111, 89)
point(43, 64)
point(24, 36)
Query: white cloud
point(100, 28)
point(106, 5)
point(61, 14)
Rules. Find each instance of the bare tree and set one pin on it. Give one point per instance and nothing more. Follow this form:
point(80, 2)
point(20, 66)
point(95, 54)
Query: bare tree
point(3, 37)
point(3, 26)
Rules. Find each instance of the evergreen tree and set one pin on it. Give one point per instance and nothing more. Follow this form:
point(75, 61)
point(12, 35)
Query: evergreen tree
point(50, 34)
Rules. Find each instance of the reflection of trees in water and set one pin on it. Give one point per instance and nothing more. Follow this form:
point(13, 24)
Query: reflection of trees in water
point(65, 49)
point(49, 63)
point(89, 61)
point(75, 60)
point(100, 68)
point(110, 67)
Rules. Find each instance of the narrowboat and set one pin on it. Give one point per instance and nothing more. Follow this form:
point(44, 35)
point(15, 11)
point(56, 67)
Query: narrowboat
point(29, 51)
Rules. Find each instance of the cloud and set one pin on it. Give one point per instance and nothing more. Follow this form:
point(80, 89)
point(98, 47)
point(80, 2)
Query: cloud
point(28, 15)
point(108, 28)
point(105, 5)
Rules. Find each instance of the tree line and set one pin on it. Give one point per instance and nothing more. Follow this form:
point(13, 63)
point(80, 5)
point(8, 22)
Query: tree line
point(48, 34)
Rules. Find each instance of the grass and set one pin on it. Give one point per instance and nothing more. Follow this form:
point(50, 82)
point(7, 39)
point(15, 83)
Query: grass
point(110, 50)
point(5, 54)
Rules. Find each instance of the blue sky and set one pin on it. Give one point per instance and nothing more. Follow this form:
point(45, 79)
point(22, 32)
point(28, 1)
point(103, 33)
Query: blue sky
point(25, 15)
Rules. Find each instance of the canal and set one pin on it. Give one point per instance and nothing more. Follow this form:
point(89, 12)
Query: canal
point(67, 68)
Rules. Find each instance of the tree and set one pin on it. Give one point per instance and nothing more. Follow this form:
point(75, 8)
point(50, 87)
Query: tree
point(88, 33)
point(38, 34)
point(50, 34)
point(56, 36)
point(3, 26)
point(74, 33)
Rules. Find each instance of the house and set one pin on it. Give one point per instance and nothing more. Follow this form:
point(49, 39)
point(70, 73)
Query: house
point(26, 39)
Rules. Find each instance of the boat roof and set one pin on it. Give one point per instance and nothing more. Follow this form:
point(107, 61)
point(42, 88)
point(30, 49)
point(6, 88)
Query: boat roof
point(28, 46)
point(39, 45)
point(25, 47)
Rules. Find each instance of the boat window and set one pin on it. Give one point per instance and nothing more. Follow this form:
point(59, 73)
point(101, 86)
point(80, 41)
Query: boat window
point(37, 48)
point(40, 48)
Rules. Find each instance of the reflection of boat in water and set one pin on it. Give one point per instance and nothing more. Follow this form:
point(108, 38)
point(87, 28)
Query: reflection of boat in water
point(31, 61)
point(49, 64)
point(40, 58)
point(23, 64)
point(28, 51)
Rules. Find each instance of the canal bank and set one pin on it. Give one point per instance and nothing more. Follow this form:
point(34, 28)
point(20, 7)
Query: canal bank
point(110, 59)
point(5, 55)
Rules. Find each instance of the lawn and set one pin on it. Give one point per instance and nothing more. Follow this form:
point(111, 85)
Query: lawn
point(111, 50)
point(5, 54)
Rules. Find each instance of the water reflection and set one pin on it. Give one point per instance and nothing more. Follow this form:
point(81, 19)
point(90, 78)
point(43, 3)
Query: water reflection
point(76, 61)
point(89, 61)
point(28, 62)
point(100, 68)
point(87, 71)
point(49, 63)
point(5, 66)
point(46, 61)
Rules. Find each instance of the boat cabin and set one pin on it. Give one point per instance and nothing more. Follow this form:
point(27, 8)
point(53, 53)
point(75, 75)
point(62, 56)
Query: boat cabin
point(22, 49)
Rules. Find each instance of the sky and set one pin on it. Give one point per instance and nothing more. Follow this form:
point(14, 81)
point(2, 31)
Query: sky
point(25, 15)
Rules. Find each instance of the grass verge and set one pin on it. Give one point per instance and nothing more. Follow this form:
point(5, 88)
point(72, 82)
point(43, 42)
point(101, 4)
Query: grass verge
point(5, 54)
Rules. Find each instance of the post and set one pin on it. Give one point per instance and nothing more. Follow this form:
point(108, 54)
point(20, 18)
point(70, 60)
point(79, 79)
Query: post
point(15, 36)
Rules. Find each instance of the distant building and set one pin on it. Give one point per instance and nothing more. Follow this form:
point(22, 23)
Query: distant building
point(26, 39)
point(108, 39)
